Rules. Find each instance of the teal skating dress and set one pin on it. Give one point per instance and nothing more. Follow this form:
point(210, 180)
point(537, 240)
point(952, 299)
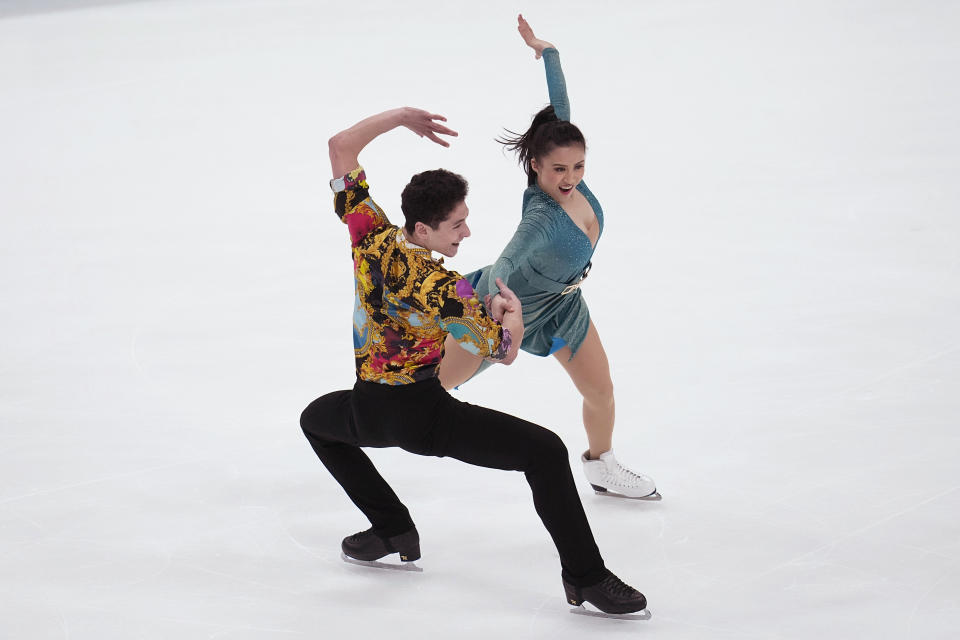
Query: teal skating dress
point(547, 254)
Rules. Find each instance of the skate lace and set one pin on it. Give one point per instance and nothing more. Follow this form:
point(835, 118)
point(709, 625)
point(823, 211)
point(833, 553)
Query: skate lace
point(625, 476)
point(617, 587)
point(360, 535)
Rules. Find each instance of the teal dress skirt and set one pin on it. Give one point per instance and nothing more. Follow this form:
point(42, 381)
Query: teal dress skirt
point(547, 256)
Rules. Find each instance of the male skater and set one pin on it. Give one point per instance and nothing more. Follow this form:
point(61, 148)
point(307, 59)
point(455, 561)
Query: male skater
point(406, 304)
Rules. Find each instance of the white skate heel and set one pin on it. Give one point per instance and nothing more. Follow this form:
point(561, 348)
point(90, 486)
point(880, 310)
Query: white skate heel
point(609, 477)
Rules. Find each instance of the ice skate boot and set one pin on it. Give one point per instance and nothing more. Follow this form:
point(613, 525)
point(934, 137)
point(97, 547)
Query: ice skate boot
point(610, 595)
point(368, 546)
point(609, 477)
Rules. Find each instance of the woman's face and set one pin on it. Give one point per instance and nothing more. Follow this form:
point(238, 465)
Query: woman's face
point(560, 171)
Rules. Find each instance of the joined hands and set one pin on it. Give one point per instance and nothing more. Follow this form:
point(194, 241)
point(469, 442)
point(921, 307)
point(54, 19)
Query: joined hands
point(505, 302)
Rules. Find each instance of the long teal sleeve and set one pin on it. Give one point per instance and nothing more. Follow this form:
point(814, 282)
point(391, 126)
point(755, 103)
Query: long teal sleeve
point(556, 85)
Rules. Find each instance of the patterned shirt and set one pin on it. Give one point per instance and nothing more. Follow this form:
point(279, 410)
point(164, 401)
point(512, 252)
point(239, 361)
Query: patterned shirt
point(406, 302)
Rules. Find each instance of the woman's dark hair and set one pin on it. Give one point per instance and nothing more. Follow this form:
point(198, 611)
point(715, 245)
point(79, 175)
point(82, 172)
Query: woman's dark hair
point(546, 133)
point(430, 197)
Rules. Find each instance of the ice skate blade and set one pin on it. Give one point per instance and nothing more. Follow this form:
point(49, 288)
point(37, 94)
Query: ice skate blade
point(653, 497)
point(376, 564)
point(639, 615)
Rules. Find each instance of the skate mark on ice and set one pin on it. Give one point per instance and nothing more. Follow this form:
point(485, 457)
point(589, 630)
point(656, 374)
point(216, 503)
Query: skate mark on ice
point(239, 579)
point(300, 545)
point(846, 536)
point(376, 564)
point(889, 373)
point(85, 483)
point(583, 611)
point(64, 625)
point(947, 573)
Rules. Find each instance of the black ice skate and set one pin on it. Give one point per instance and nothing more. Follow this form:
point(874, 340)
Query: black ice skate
point(366, 547)
point(611, 596)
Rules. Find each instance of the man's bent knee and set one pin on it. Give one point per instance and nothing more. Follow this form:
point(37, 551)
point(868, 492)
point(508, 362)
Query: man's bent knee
point(314, 417)
point(308, 420)
point(551, 448)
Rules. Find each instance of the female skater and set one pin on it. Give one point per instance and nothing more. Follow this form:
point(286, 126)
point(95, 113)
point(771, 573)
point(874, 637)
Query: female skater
point(544, 264)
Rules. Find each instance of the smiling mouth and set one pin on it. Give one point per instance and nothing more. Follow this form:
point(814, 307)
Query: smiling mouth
point(566, 190)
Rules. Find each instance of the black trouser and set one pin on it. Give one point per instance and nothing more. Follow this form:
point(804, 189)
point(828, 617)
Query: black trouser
point(423, 418)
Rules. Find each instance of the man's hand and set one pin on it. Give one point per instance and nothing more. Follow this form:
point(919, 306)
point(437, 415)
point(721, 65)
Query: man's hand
point(423, 123)
point(495, 306)
point(532, 41)
point(346, 145)
point(502, 303)
point(512, 320)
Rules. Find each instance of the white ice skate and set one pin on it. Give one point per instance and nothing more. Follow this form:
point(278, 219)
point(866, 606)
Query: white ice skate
point(609, 477)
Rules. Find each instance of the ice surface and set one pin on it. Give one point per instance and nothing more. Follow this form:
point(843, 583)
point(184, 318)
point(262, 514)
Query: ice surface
point(777, 287)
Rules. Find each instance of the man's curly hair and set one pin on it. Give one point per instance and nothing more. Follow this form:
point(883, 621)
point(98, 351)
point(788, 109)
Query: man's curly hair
point(431, 196)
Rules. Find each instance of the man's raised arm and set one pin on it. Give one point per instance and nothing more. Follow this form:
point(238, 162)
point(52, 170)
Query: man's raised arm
point(345, 147)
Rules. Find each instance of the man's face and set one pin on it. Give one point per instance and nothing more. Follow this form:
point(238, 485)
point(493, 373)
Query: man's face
point(446, 238)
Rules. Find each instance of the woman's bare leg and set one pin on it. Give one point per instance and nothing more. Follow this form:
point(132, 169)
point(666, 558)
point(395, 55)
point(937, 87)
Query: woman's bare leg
point(457, 365)
point(590, 372)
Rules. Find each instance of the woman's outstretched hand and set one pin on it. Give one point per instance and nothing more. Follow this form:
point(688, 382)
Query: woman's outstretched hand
point(423, 123)
point(532, 41)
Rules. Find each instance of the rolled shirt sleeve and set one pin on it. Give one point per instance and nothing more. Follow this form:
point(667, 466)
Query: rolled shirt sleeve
point(354, 206)
point(464, 317)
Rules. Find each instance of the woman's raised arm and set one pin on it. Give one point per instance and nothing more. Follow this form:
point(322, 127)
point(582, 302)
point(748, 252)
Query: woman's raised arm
point(556, 85)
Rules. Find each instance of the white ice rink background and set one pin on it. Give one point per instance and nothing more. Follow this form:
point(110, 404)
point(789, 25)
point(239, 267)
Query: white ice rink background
point(778, 289)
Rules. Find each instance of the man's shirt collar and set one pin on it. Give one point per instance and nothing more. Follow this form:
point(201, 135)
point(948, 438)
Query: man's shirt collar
point(415, 248)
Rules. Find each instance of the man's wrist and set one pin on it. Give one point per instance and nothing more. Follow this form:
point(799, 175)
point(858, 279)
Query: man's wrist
point(512, 322)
